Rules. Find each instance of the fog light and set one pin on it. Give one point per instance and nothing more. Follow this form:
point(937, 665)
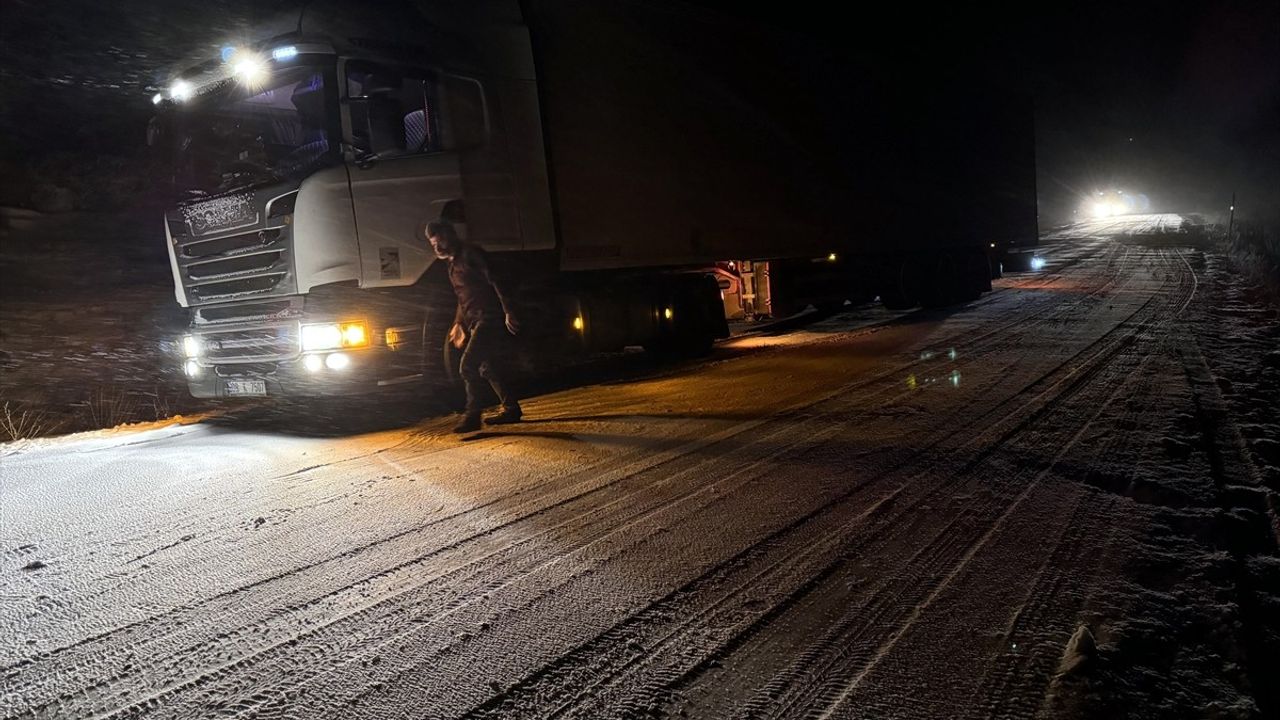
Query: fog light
point(312, 363)
point(193, 368)
point(337, 361)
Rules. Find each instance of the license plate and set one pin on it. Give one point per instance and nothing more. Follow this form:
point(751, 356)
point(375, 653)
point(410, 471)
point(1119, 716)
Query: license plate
point(247, 388)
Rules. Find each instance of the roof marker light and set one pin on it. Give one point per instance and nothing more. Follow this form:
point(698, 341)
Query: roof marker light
point(250, 70)
point(180, 90)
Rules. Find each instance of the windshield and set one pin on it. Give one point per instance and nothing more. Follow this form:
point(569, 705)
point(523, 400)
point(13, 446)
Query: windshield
point(235, 137)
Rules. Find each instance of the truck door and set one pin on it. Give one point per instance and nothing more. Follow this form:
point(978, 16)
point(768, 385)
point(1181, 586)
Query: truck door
point(474, 127)
point(401, 174)
point(420, 139)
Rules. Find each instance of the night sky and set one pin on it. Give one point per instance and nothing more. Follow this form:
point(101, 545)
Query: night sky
point(1180, 102)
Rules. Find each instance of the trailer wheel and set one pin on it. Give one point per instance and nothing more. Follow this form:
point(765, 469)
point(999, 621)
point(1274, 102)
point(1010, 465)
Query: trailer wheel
point(977, 276)
point(689, 319)
point(940, 281)
point(898, 293)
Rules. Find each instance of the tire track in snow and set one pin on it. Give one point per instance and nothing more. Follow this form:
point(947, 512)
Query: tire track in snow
point(994, 333)
point(832, 697)
point(837, 393)
point(255, 587)
point(505, 708)
point(235, 605)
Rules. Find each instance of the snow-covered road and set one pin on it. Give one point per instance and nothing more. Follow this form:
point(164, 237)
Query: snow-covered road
point(1120, 225)
point(908, 518)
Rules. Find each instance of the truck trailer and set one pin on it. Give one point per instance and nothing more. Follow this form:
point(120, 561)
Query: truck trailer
point(638, 172)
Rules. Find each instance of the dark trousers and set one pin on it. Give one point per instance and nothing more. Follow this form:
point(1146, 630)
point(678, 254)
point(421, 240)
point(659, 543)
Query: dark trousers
point(482, 359)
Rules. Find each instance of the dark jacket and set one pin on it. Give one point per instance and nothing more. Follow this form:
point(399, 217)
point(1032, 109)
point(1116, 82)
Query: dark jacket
point(479, 296)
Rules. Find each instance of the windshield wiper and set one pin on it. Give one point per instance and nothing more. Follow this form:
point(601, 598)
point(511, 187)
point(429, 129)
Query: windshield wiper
point(247, 179)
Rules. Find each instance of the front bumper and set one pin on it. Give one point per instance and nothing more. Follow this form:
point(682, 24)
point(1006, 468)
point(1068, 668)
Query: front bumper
point(257, 347)
point(367, 371)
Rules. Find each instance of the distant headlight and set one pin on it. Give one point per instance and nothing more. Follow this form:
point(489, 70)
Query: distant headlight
point(331, 336)
point(1037, 263)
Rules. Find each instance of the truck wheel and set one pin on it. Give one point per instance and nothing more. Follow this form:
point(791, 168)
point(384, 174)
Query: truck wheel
point(994, 269)
point(696, 319)
point(898, 293)
point(977, 276)
point(939, 281)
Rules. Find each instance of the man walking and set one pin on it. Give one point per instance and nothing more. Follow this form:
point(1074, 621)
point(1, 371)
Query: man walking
point(481, 326)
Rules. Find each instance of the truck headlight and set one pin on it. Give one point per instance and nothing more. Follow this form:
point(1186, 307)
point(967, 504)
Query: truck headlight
point(190, 346)
point(331, 336)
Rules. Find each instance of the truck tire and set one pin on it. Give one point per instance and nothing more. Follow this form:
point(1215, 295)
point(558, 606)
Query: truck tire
point(697, 318)
point(940, 281)
point(898, 293)
point(977, 276)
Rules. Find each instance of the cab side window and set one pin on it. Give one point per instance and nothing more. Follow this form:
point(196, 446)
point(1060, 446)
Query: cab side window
point(468, 121)
point(393, 109)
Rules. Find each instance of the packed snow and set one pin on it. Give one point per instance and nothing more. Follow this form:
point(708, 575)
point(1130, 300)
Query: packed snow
point(1055, 501)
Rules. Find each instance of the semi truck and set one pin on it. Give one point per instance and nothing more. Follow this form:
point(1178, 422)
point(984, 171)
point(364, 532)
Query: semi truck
point(638, 172)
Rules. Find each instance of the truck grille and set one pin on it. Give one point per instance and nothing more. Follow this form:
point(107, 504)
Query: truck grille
point(251, 344)
point(247, 370)
point(247, 312)
point(251, 332)
point(230, 249)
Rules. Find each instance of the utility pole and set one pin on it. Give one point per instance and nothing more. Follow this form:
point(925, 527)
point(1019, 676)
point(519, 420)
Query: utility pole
point(1231, 219)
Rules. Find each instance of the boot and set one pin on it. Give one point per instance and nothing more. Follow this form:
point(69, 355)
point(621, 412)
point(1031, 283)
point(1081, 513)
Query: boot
point(508, 416)
point(470, 423)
